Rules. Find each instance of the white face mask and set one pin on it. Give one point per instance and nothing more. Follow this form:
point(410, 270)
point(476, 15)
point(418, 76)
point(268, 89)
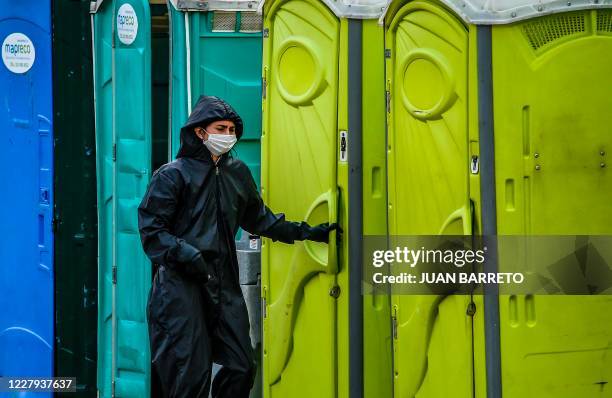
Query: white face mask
point(218, 144)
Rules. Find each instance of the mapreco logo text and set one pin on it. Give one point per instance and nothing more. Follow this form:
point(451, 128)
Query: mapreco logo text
point(127, 20)
point(17, 49)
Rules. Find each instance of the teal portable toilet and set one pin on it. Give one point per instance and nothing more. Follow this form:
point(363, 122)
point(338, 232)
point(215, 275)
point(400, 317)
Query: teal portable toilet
point(216, 49)
point(144, 91)
point(121, 34)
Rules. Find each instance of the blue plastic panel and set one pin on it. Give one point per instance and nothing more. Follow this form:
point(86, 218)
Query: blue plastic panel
point(26, 200)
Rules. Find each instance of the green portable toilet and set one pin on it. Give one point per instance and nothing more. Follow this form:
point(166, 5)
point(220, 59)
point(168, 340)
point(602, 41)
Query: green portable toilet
point(323, 123)
point(499, 117)
point(124, 146)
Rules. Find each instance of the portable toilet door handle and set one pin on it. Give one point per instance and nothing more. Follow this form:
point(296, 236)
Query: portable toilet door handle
point(329, 264)
point(462, 214)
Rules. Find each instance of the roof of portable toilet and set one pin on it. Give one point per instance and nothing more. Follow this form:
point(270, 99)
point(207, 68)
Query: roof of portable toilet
point(357, 9)
point(215, 5)
point(489, 12)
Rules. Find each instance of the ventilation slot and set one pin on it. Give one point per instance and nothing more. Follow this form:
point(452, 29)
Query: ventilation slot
point(224, 21)
point(543, 32)
point(604, 21)
point(250, 22)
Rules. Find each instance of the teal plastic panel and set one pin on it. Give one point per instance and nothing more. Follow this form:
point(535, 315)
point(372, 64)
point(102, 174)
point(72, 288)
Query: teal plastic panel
point(132, 133)
point(103, 92)
point(178, 74)
point(123, 125)
point(226, 64)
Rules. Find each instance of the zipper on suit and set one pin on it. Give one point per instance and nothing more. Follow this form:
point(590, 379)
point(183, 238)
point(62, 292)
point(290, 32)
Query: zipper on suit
point(224, 227)
point(219, 214)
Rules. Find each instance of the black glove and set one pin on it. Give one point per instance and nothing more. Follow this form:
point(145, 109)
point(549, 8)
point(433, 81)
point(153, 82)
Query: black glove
point(320, 233)
point(198, 268)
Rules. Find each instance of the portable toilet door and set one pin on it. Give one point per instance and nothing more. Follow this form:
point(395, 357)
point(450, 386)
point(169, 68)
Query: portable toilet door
point(122, 89)
point(429, 188)
point(26, 126)
point(75, 214)
point(216, 50)
point(500, 117)
point(316, 55)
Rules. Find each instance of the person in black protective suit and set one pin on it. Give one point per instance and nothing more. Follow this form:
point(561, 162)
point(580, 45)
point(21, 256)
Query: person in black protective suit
point(188, 218)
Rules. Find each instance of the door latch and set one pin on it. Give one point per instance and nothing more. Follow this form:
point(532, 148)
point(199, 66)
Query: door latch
point(343, 146)
point(474, 165)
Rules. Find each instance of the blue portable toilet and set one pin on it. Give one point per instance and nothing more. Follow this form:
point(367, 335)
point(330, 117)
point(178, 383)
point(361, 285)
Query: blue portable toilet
point(26, 201)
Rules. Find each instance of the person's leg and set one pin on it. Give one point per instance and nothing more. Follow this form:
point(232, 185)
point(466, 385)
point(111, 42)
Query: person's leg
point(232, 350)
point(180, 346)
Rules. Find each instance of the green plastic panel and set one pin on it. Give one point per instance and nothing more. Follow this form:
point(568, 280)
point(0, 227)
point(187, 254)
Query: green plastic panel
point(429, 192)
point(75, 237)
point(123, 126)
point(237, 81)
point(301, 57)
point(377, 350)
point(552, 139)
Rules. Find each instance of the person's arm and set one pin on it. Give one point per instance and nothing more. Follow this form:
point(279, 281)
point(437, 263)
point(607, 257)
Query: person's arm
point(156, 214)
point(258, 219)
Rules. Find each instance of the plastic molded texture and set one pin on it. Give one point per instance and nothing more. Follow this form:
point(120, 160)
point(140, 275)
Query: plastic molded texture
point(299, 178)
point(122, 86)
point(494, 12)
point(238, 82)
point(26, 203)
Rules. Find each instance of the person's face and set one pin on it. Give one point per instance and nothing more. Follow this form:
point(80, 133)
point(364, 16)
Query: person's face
point(219, 127)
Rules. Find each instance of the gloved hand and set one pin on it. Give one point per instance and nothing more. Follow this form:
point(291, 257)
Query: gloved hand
point(320, 233)
point(197, 268)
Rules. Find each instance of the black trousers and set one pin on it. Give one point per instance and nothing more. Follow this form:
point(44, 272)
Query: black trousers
point(192, 325)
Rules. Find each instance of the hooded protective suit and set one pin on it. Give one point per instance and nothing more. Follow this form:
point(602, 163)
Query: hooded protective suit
point(188, 219)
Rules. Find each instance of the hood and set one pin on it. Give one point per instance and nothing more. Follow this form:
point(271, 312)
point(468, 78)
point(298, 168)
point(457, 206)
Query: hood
point(208, 109)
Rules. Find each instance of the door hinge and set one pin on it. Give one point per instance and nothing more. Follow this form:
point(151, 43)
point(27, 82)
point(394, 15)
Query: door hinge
point(264, 87)
point(394, 322)
point(266, 32)
point(471, 309)
point(388, 101)
point(264, 307)
point(114, 152)
point(114, 274)
point(387, 53)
